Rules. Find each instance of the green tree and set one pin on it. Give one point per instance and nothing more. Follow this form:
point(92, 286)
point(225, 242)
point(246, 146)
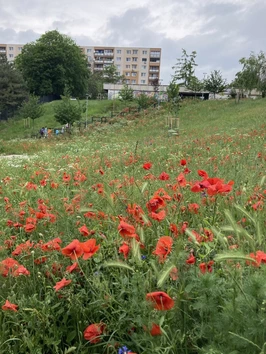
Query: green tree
point(215, 82)
point(143, 101)
point(185, 68)
point(53, 62)
point(195, 85)
point(95, 84)
point(126, 94)
point(173, 96)
point(110, 75)
point(13, 89)
point(32, 108)
point(67, 111)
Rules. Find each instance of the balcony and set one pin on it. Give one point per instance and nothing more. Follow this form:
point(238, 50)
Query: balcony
point(108, 54)
point(98, 68)
point(99, 53)
point(108, 61)
point(153, 77)
point(155, 60)
point(154, 70)
point(98, 60)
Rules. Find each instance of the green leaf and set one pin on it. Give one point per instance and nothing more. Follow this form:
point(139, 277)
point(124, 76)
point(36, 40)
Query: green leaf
point(164, 275)
point(118, 265)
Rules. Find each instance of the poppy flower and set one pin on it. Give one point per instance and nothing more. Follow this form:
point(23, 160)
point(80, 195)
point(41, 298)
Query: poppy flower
point(93, 332)
point(8, 306)
point(72, 267)
point(164, 176)
point(124, 249)
point(29, 227)
point(74, 250)
point(155, 203)
point(155, 330)
point(126, 230)
point(161, 301)
point(191, 259)
point(183, 162)
point(174, 274)
point(147, 165)
point(181, 180)
point(89, 248)
point(61, 284)
point(160, 216)
point(84, 230)
point(163, 247)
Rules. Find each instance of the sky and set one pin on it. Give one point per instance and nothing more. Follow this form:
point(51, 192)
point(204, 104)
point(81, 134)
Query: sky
point(220, 31)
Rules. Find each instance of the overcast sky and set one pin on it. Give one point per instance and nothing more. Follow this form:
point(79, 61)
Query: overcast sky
point(220, 31)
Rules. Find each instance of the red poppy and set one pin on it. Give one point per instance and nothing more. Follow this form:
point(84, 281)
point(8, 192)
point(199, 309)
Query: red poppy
point(155, 203)
point(161, 301)
point(124, 249)
point(259, 257)
point(29, 227)
point(183, 162)
point(160, 216)
point(174, 274)
point(191, 259)
point(8, 265)
point(61, 284)
point(8, 306)
point(84, 230)
point(181, 180)
point(74, 250)
point(163, 248)
point(164, 176)
point(155, 330)
point(72, 267)
point(93, 332)
point(126, 230)
point(89, 248)
point(147, 165)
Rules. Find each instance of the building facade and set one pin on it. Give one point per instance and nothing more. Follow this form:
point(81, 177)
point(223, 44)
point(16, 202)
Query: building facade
point(138, 65)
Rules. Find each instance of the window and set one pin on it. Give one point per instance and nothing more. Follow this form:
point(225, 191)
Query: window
point(118, 67)
point(127, 74)
point(128, 51)
point(143, 81)
point(20, 49)
point(127, 81)
point(143, 67)
point(155, 54)
point(89, 58)
point(143, 74)
point(118, 51)
point(144, 60)
point(88, 50)
point(11, 48)
point(133, 81)
point(118, 58)
point(134, 59)
point(128, 59)
point(144, 52)
point(118, 73)
point(127, 66)
point(135, 52)
point(134, 66)
point(11, 55)
point(133, 74)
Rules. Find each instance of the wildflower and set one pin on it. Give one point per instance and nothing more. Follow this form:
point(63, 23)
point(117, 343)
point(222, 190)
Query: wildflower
point(155, 330)
point(161, 301)
point(126, 230)
point(147, 165)
point(72, 267)
point(89, 248)
point(61, 284)
point(8, 306)
point(73, 250)
point(155, 203)
point(160, 216)
point(163, 248)
point(93, 332)
point(124, 249)
point(84, 231)
point(174, 274)
point(183, 162)
point(124, 350)
point(191, 259)
point(164, 176)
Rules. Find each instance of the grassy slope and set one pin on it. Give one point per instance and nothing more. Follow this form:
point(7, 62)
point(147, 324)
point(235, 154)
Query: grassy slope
point(197, 119)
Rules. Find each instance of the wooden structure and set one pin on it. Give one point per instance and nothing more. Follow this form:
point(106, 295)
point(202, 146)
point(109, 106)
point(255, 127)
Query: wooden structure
point(173, 125)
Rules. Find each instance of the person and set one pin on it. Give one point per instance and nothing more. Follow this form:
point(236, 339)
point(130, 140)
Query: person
point(45, 132)
point(42, 132)
point(56, 131)
point(49, 132)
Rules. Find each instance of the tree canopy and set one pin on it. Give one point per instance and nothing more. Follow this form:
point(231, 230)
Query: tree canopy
point(51, 63)
point(12, 87)
point(215, 82)
point(185, 68)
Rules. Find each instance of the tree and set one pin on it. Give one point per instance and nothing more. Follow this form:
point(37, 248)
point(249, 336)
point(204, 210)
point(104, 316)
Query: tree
point(32, 108)
point(67, 111)
point(110, 75)
point(185, 68)
point(253, 73)
point(215, 82)
point(195, 84)
point(51, 63)
point(126, 94)
point(143, 100)
point(13, 89)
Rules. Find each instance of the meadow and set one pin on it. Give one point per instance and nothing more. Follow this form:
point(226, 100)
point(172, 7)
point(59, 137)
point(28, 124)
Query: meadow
point(122, 239)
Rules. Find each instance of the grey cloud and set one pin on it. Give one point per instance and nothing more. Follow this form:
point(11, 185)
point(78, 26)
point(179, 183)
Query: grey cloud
point(9, 35)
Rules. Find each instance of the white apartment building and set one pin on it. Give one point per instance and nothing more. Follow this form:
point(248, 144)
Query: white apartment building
point(139, 65)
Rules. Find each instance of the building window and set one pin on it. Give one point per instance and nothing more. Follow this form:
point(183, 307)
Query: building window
point(128, 59)
point(134, 59)
point(118, 58)
point(118, 73)
point(89, 58)
point(11, 48)
point(155, 54)
point(11, 55)
point(144, 52)
point(134, 66)
point(88, 50)
point(143, 74)
point(127, 66)
point(118, 51)
point(144, 60)
point(143, 81)
point(127, 74)
point(118, 67)
point(20, 49)
point(135, 52)
point(134, 74)
point(133, 81)
point(127, 81)
point(128, 51)
point(143, 67)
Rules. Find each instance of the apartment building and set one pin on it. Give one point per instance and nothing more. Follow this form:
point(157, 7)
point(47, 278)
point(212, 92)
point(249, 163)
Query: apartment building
point(139, 65)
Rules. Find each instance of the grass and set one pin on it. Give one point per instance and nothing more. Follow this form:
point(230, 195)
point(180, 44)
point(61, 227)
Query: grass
point(138, 205)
